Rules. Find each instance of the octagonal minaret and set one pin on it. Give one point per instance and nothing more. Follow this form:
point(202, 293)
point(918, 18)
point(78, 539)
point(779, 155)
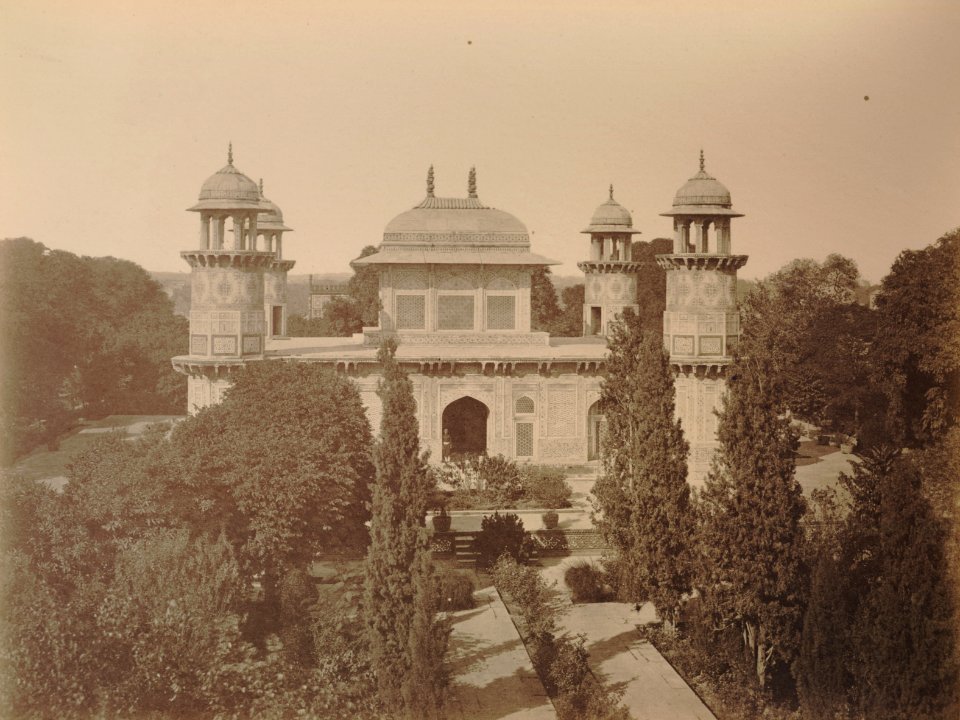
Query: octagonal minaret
point(610, 282)
point(701, 323)
point(270, 226)
point(226, 288)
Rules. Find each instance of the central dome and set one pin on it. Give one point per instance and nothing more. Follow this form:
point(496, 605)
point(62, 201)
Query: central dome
point(453, 216)
point(455, 221)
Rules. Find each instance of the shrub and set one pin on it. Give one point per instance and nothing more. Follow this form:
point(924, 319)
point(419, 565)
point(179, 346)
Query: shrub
point(547, 486)
point(454, 589)
point(441, 521)
point(588, 583)
point(579, 693)
point(550, 519)
point(500, 479)
point(530, 593)
point(499, 535)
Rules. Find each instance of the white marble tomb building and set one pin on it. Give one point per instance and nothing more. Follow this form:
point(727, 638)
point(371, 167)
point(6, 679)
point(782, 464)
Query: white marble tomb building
point(455, 279)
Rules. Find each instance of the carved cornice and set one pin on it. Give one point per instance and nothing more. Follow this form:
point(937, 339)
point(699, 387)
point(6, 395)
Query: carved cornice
point(700, 368)
point(213, 368)
point(704, 262)
point(627, 267)
point(228, 258)
point(282, 265)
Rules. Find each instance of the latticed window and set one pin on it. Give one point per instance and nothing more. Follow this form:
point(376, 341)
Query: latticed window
point(455, 312)
point(501, 312)
point(523, 406)
point(524, 439)
point(410, 312)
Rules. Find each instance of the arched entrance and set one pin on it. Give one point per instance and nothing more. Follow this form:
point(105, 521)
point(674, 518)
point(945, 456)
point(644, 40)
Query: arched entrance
point(464, 428)
point(596, 424)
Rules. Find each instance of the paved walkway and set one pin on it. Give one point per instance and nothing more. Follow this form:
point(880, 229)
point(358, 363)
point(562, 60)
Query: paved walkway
point(493, 678)
point(652, 689)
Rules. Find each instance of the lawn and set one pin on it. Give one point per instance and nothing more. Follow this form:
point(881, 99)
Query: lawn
point(50, 466)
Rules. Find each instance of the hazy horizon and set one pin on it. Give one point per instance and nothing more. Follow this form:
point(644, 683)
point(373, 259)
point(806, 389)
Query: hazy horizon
point(834, 125)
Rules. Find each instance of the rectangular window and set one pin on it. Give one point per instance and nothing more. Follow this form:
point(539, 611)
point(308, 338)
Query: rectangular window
point(410, 312)
point(501, 312)
point(524, 439)
point(455, 312)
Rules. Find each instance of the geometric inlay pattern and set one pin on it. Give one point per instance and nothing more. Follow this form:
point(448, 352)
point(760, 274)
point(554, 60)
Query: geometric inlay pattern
point(198, 344)
point(455, 312)
point(524, 439)
point(411, 312)
point(683, 345)
point(524, 406)
point(224, 344)
point(501, 312)
point(562, 402)
point(711, 345)
point(251, 344)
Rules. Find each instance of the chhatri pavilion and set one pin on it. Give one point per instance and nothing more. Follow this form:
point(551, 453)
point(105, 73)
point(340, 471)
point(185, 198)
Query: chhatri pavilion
point(455, 282)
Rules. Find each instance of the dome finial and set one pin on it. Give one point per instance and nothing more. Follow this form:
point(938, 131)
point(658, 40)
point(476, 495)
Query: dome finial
point(261, 186)
point(430, 182)
point(702, 163)
point(472, 183)
point(230, 153)
point(611, 191)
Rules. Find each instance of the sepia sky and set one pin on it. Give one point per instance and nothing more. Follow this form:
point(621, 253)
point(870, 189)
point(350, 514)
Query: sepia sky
point(114, 113)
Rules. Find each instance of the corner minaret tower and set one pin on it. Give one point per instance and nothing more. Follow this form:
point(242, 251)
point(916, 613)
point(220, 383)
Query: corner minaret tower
point(226, 300)
point(270, 226)
point(701, 323)
point(610, 282)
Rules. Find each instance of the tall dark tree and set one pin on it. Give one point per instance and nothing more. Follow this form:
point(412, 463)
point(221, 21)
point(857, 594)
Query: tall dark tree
point(916, 353)
point(364, 289)
point(544, 308)
point(904, 660)
point(643, 496)
point(651, 281)
point(407, 642)
point(753, 574)
point(570, 322)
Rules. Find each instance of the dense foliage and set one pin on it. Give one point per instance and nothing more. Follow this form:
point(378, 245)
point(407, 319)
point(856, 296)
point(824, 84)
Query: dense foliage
point(168, 578)
point(496, 482)
point(642, 497)
point(407, 642)
point(81, 336)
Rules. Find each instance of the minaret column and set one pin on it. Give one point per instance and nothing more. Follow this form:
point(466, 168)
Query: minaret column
point(204, 231)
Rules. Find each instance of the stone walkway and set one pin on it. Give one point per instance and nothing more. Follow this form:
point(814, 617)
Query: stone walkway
point(492, 676)
point(652, 689)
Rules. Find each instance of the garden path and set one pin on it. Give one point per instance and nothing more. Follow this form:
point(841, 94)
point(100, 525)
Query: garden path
point(652, 689)
point(492, 676)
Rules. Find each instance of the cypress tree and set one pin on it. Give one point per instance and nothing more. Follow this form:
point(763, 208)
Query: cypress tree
point(904, 661)
point(407, 642)
point(643, 495)
point(753, 572)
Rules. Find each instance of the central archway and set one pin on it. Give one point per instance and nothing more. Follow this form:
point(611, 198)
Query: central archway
point(464, 428)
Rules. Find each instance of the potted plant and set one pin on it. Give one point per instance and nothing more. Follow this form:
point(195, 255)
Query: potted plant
point(550, 519)
point(441, 521)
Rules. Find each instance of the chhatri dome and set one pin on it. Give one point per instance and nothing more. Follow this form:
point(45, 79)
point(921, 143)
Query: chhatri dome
point(702, 194)
point(272, 217)
point(228, 189)
point(611, 217)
